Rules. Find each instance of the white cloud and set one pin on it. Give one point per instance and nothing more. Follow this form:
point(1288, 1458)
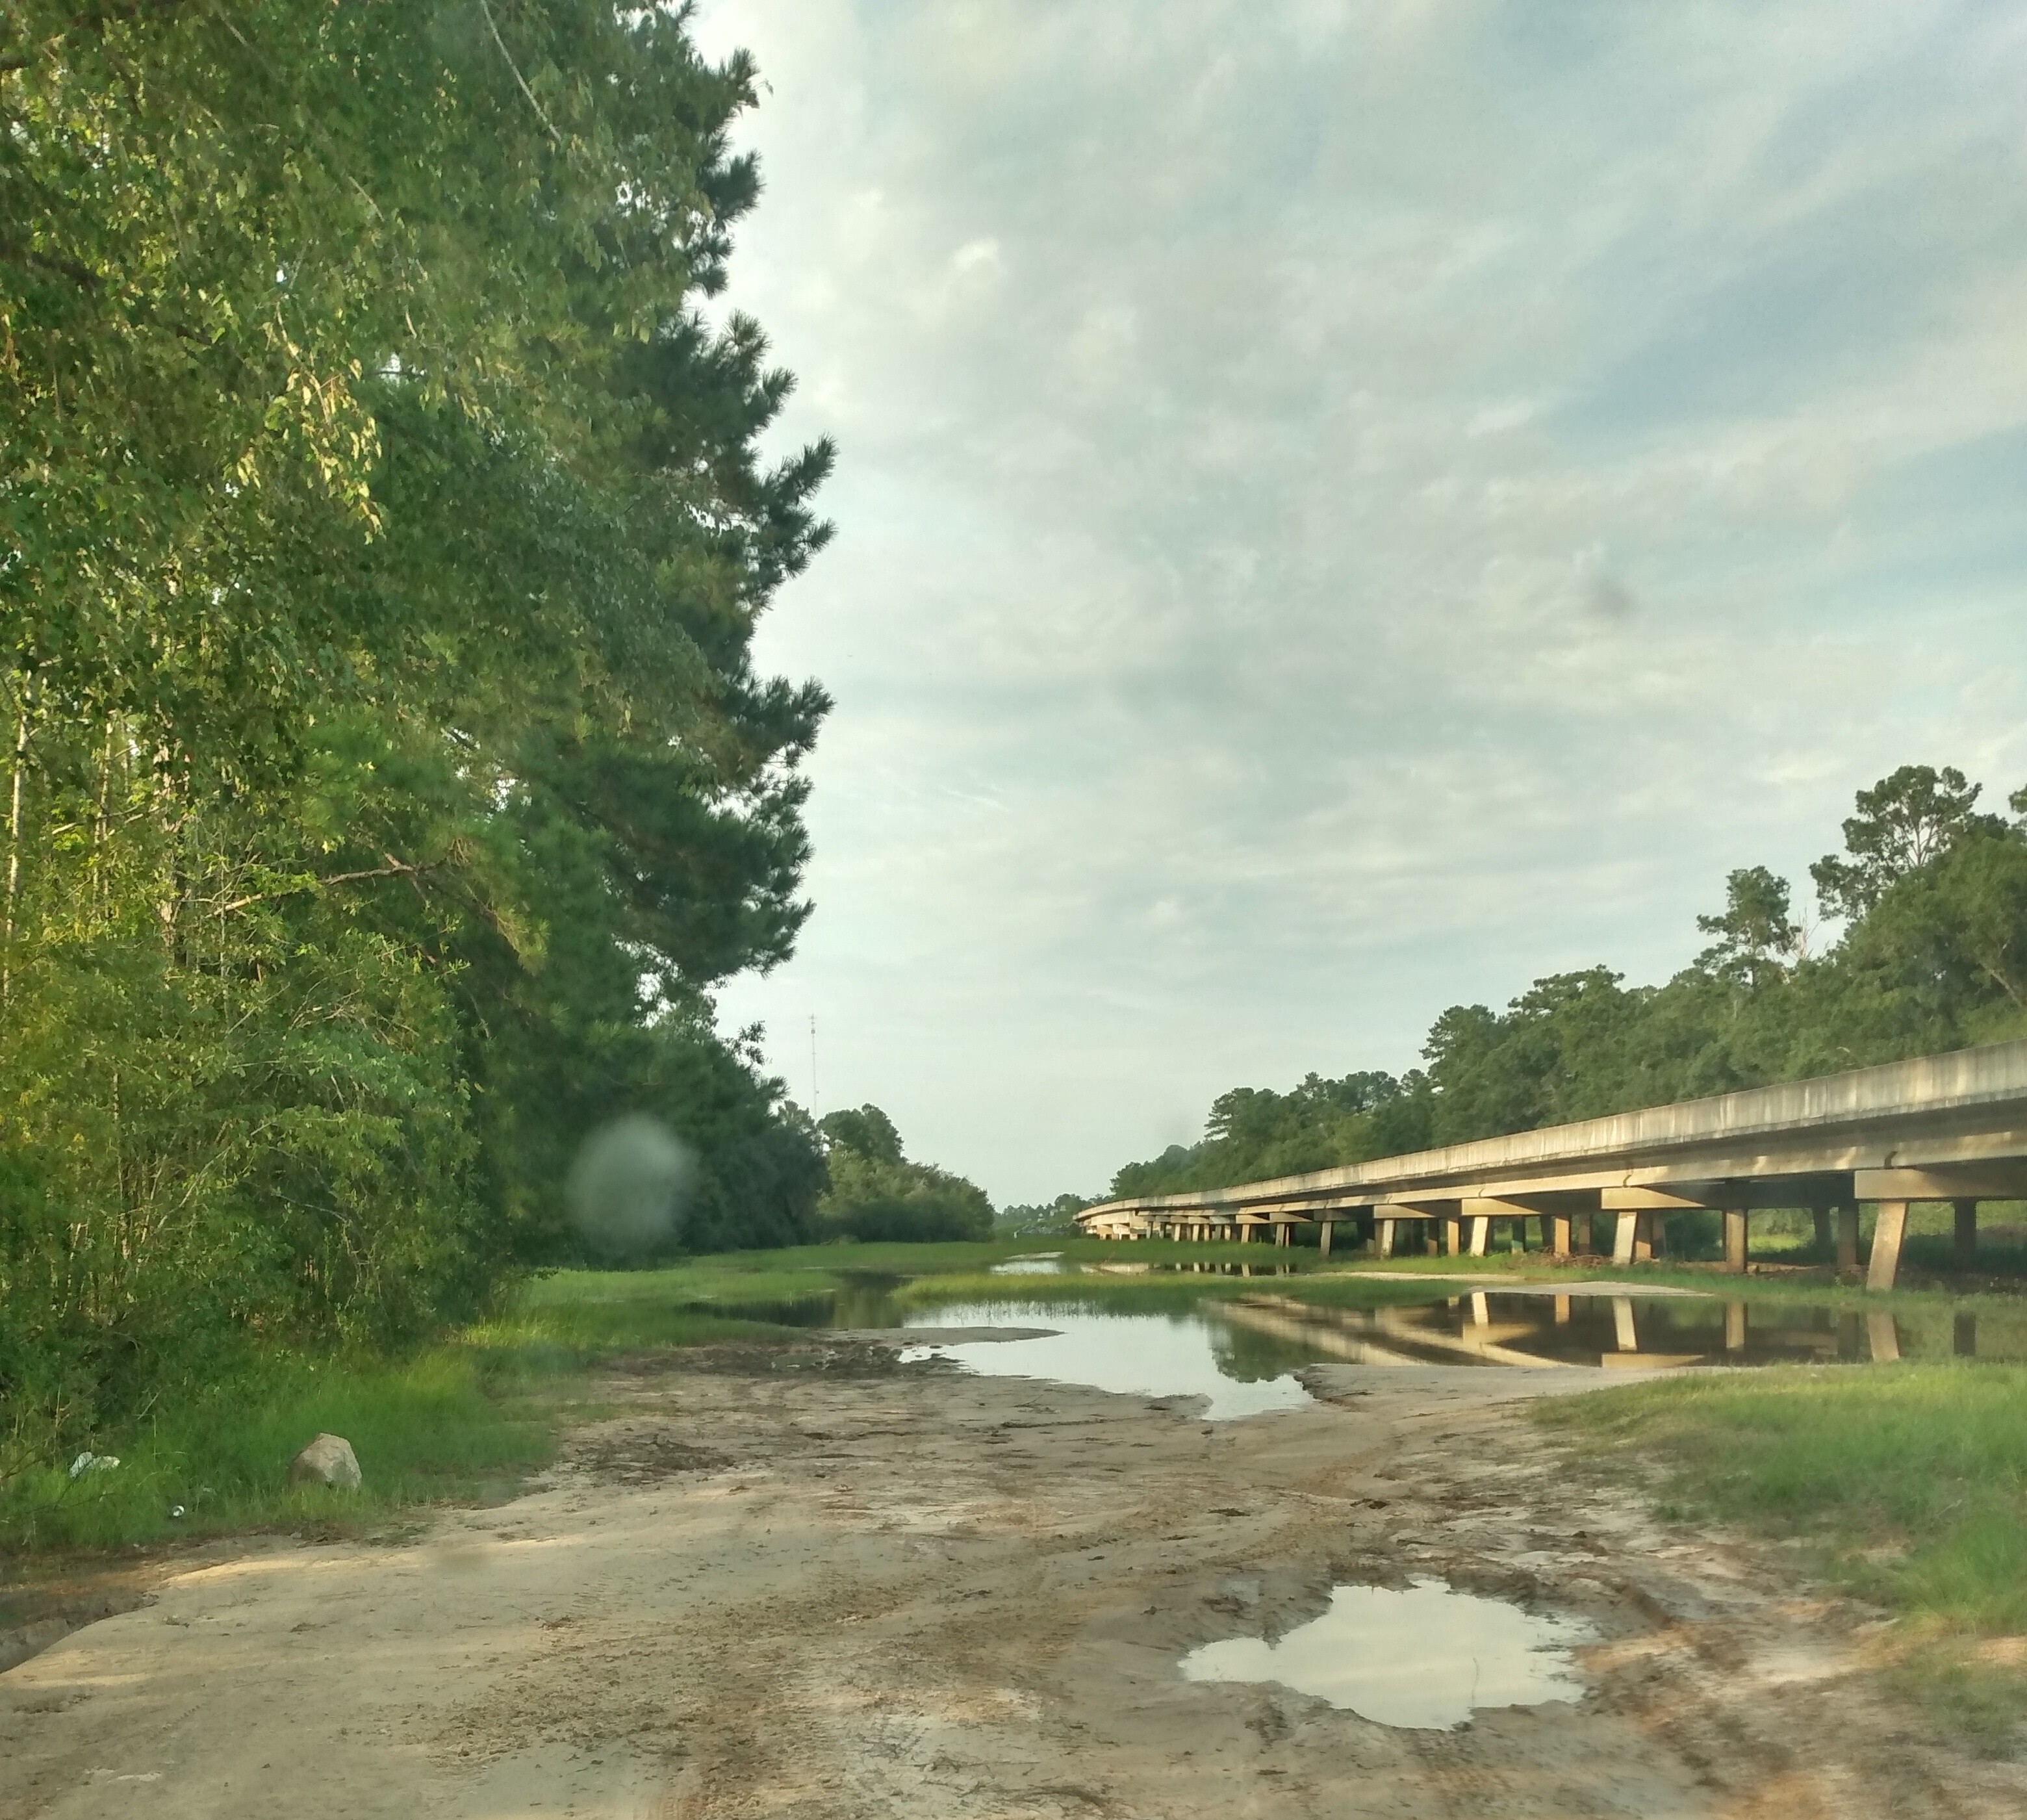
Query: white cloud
point(1344, 508)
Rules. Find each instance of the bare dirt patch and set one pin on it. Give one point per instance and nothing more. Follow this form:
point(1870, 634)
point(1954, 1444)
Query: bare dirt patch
point(848, 1587)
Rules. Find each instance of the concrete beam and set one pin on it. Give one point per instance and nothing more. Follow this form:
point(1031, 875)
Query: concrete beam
point(1986, 1182)
point(1630, 1200)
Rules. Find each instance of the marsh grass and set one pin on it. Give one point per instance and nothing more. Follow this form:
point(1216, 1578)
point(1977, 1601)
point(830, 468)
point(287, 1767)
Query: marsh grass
point(1907, 1483)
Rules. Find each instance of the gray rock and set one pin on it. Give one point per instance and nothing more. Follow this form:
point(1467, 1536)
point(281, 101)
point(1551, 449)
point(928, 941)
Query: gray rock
point(327, 1460)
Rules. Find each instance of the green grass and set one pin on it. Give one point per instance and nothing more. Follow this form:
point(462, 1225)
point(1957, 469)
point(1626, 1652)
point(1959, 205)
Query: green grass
point(425, 1429)
point(1908, 1484)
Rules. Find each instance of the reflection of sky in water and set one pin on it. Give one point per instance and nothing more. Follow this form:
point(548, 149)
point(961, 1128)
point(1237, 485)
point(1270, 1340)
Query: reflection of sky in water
point(1423, 1657)
point(1042, 1264)
point(1140, 1355)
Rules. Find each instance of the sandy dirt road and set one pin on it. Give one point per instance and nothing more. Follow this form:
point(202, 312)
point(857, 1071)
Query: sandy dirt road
point(818, 1583)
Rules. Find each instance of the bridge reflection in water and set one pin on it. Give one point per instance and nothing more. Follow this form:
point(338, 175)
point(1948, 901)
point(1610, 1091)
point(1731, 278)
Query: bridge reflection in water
point(1617, 1332)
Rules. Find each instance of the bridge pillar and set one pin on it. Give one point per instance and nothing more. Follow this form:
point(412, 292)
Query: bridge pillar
point(1966, 1213)
point(1557, 1237)
point(1888, 1229)
point(1623, 1236)
point(1821, 1217)
point(1323, 1236)
point(1481, 1233)
point(1452, 1226)
point(1846, 1236)
point(1245, 1233)
point(1383, 1239)
point(1735, 1240)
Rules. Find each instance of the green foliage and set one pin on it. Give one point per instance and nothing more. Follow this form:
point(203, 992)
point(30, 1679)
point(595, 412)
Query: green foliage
point(426, 1429)
point(876, 1194)
point(1254, 1133)
point(867, 1132)
point(1904, 823)
point(384, 780)
point(1935, 959)
point(1047, 1219)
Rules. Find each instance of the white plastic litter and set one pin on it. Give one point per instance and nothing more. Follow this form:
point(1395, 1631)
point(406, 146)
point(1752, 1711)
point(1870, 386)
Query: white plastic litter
point(91, 1462)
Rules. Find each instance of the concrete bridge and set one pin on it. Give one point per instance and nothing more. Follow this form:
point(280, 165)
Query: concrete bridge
point(1943, 1128)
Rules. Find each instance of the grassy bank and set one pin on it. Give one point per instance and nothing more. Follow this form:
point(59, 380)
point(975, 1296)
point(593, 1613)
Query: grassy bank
point(459, 1421)
point(1906, 1485)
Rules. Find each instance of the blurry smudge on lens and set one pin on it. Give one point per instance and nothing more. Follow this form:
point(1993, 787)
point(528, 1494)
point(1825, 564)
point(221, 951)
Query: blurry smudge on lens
point(628, 1187)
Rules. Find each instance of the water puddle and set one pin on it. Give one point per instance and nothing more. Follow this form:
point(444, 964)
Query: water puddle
point(1424, 1657)
point(1145, 1355)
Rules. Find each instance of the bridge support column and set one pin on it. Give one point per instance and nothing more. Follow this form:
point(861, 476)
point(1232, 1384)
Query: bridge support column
point(1734, 1240)
point(1847, 1237)
point(1323, 1237)
point(1245, 1233)
point(1966, 1213)
point(1623, 1237)
point(1481, 1233)
point(1821, 1217)
point(1452, 1233)
point(1557, 1237)
point(1281, 1233)
point(1887, 1230)
point(1383, 1239)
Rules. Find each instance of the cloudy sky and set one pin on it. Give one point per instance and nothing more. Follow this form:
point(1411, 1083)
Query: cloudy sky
point(1344, 508)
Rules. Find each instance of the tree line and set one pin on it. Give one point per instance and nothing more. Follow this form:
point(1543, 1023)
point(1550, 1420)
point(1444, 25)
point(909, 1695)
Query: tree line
point(385, 779)
point(1929, 900)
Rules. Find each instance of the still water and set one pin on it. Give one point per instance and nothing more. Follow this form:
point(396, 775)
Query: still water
point(1148, 1355)
point(1424, 1656)
point(1242, 1355)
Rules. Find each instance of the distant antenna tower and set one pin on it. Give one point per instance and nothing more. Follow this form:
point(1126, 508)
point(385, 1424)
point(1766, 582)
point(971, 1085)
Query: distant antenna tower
point(814, 1112)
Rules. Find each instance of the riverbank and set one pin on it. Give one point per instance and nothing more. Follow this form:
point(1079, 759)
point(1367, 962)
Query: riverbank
point(802, 1577)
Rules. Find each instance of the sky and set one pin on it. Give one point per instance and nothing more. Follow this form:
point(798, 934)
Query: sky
point(1343, 509)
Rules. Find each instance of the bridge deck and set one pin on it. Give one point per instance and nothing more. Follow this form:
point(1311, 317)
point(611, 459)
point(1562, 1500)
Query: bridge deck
point(1942, 1128)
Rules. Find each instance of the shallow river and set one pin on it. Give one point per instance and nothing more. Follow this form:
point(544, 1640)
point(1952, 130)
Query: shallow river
point(1242, 1355)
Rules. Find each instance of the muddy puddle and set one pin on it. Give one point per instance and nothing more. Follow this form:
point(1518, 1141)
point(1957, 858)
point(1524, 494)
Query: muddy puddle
point(1424, 1656)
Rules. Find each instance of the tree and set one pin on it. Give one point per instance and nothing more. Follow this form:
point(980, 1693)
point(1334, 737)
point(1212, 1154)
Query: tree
point(1905, 821)
point(1757, 936)
point(876, 1193)
point(868, 1131)
point(386, 777)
